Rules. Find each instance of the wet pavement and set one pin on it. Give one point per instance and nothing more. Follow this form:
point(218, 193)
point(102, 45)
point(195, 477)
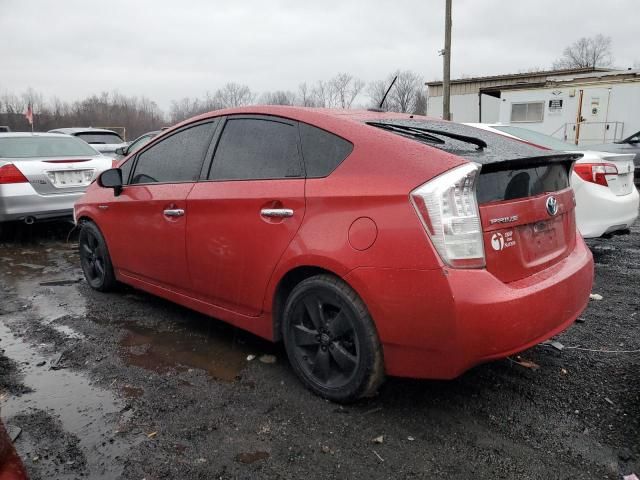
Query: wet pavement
point(127, 385)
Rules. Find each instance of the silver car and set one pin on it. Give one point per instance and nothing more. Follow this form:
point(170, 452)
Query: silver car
point(43, 174)
point(105, 141)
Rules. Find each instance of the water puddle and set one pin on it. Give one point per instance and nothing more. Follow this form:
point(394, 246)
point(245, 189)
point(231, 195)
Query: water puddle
point(89, 412)
point(219, 351)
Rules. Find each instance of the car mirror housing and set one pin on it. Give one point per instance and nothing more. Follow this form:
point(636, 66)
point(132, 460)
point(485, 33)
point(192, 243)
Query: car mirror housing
point(121, 150)
point(111, 178)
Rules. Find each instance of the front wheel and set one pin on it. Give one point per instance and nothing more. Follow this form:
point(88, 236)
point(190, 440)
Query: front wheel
point(331, 341)
point(95, 259)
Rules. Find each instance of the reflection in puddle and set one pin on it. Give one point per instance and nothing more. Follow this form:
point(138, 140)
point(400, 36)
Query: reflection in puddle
point(219, 354)
point(82, 408)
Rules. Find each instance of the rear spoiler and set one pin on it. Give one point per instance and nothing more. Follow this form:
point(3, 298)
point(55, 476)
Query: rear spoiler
point(516, 163)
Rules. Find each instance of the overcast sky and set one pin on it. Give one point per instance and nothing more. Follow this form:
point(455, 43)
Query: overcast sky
point(171, 49)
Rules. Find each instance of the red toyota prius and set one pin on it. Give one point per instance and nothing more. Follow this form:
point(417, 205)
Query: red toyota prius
point(371, 243)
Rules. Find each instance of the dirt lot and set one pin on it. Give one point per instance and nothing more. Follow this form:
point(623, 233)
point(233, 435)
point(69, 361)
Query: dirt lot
point(129, 386)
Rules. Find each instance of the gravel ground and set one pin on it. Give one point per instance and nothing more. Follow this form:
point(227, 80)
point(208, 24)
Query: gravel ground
point(126, 385)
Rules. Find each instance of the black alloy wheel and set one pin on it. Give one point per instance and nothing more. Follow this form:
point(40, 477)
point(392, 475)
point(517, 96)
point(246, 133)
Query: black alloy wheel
point(331, 341)
point(94, 258)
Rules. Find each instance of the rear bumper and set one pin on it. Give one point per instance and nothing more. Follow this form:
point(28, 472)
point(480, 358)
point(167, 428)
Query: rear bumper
point(438, 324)
point(600, 211)
point(19, 201)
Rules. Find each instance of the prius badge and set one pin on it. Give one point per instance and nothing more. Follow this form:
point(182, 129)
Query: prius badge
point(552, 206)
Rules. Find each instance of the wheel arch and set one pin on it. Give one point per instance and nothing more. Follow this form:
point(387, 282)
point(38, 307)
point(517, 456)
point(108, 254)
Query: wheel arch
point(285, 285)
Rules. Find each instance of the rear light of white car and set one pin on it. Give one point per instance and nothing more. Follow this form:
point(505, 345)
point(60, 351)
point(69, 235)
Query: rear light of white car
point(595, 172)
point(448, 209)
point(10, 174)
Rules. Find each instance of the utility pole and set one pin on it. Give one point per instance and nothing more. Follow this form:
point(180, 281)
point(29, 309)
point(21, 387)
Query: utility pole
point(446, 83)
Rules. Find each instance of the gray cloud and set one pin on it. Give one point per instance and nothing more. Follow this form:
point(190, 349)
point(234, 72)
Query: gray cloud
point(168, 50)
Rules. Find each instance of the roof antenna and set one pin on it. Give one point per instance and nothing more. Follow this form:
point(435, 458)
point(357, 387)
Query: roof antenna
point(380, 109)
point(387, 92)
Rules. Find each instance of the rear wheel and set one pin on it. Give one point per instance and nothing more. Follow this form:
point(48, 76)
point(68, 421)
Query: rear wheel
point(95, 259)
point(331, 341)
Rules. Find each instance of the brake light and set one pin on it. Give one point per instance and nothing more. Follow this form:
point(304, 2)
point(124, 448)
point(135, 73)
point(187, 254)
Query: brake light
point(448, 209)
point(9, 173)
point(595, 172)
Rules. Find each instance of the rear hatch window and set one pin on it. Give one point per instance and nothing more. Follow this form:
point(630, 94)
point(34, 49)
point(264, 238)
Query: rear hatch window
point(100, 138)
point(526, 203)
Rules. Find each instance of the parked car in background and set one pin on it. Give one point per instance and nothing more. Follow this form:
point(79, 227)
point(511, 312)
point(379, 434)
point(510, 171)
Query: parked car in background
point(105, 141)
point(606, 198)
point(139, 142)
point(43, 174)
point(631, 144)
point(371, 243)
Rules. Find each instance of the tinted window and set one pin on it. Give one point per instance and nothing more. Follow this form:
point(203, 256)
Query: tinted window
point(177, 158)
point(140, 142)
point(256, 149)
point(322, 151)
point(33, 147)
point(522, 182)
point(100, 137)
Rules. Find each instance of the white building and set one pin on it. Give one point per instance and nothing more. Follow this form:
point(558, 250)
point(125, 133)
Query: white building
point(585, 106)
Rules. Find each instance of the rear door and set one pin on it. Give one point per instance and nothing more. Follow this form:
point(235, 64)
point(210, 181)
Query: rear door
point(145, 224)
point(527, 213)
point(243, 218)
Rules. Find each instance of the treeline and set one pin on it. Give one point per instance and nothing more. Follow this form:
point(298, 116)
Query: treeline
point(139, 114)
point(136, 114)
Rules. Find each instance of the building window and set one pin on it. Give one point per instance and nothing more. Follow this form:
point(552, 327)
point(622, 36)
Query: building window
point(527, 112)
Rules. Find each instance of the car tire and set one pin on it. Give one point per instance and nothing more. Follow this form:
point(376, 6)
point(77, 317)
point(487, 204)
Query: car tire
point(94, 258)
point(331, 340)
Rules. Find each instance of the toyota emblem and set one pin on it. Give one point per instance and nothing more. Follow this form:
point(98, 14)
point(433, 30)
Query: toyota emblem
point(552, 206)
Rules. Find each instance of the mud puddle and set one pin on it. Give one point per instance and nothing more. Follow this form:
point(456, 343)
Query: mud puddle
point(196, 343)
point(87, 412)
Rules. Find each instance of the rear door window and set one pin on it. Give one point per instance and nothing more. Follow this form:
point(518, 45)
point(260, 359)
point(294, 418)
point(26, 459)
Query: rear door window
point(177, 158)
point(322, 151)
point(256, 149)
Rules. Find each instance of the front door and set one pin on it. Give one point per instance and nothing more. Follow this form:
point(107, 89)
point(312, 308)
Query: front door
point(245, 216)
point(145, 224)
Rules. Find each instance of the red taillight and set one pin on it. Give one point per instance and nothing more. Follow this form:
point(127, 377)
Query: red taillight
point(595, 172)
point(114, 163)
point(10, 174)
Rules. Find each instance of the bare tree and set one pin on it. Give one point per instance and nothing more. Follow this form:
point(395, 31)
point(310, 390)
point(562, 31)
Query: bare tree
point(279, 97)
point(586, 52)
point(305, 95)
point(234, 95)
point(345, 89)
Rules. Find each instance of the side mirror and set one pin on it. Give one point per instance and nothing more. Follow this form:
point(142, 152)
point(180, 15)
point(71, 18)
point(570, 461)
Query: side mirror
point(121, 151)
point(111, 178)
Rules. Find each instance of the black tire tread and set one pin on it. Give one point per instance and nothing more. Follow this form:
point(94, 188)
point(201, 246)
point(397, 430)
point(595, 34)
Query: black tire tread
point(110, 282)
point(374, 374)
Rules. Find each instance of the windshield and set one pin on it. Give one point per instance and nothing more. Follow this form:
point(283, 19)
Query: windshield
point(36, 147)
point(100, 137)
point(535, 137)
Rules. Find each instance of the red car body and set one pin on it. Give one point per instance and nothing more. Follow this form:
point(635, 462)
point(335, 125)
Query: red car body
point(358, 223)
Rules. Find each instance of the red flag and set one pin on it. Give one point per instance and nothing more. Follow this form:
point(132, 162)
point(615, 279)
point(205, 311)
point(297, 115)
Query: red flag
point(29, 114)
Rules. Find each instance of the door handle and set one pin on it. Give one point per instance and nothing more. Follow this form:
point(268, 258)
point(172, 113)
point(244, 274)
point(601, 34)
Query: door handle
point(174, 212)
point(276, 212)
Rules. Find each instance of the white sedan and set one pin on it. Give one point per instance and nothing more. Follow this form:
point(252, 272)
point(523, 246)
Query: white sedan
point(606, 198)
point(43, 174)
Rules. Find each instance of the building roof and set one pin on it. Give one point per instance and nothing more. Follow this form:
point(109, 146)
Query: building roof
point(525, 75)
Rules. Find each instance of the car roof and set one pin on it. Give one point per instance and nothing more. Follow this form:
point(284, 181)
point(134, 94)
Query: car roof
point(73, 130)
point(29, 134)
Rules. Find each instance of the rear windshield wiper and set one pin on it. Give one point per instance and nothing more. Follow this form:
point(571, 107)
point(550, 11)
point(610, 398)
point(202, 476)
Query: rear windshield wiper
point(481, 144)
point(403, 130)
